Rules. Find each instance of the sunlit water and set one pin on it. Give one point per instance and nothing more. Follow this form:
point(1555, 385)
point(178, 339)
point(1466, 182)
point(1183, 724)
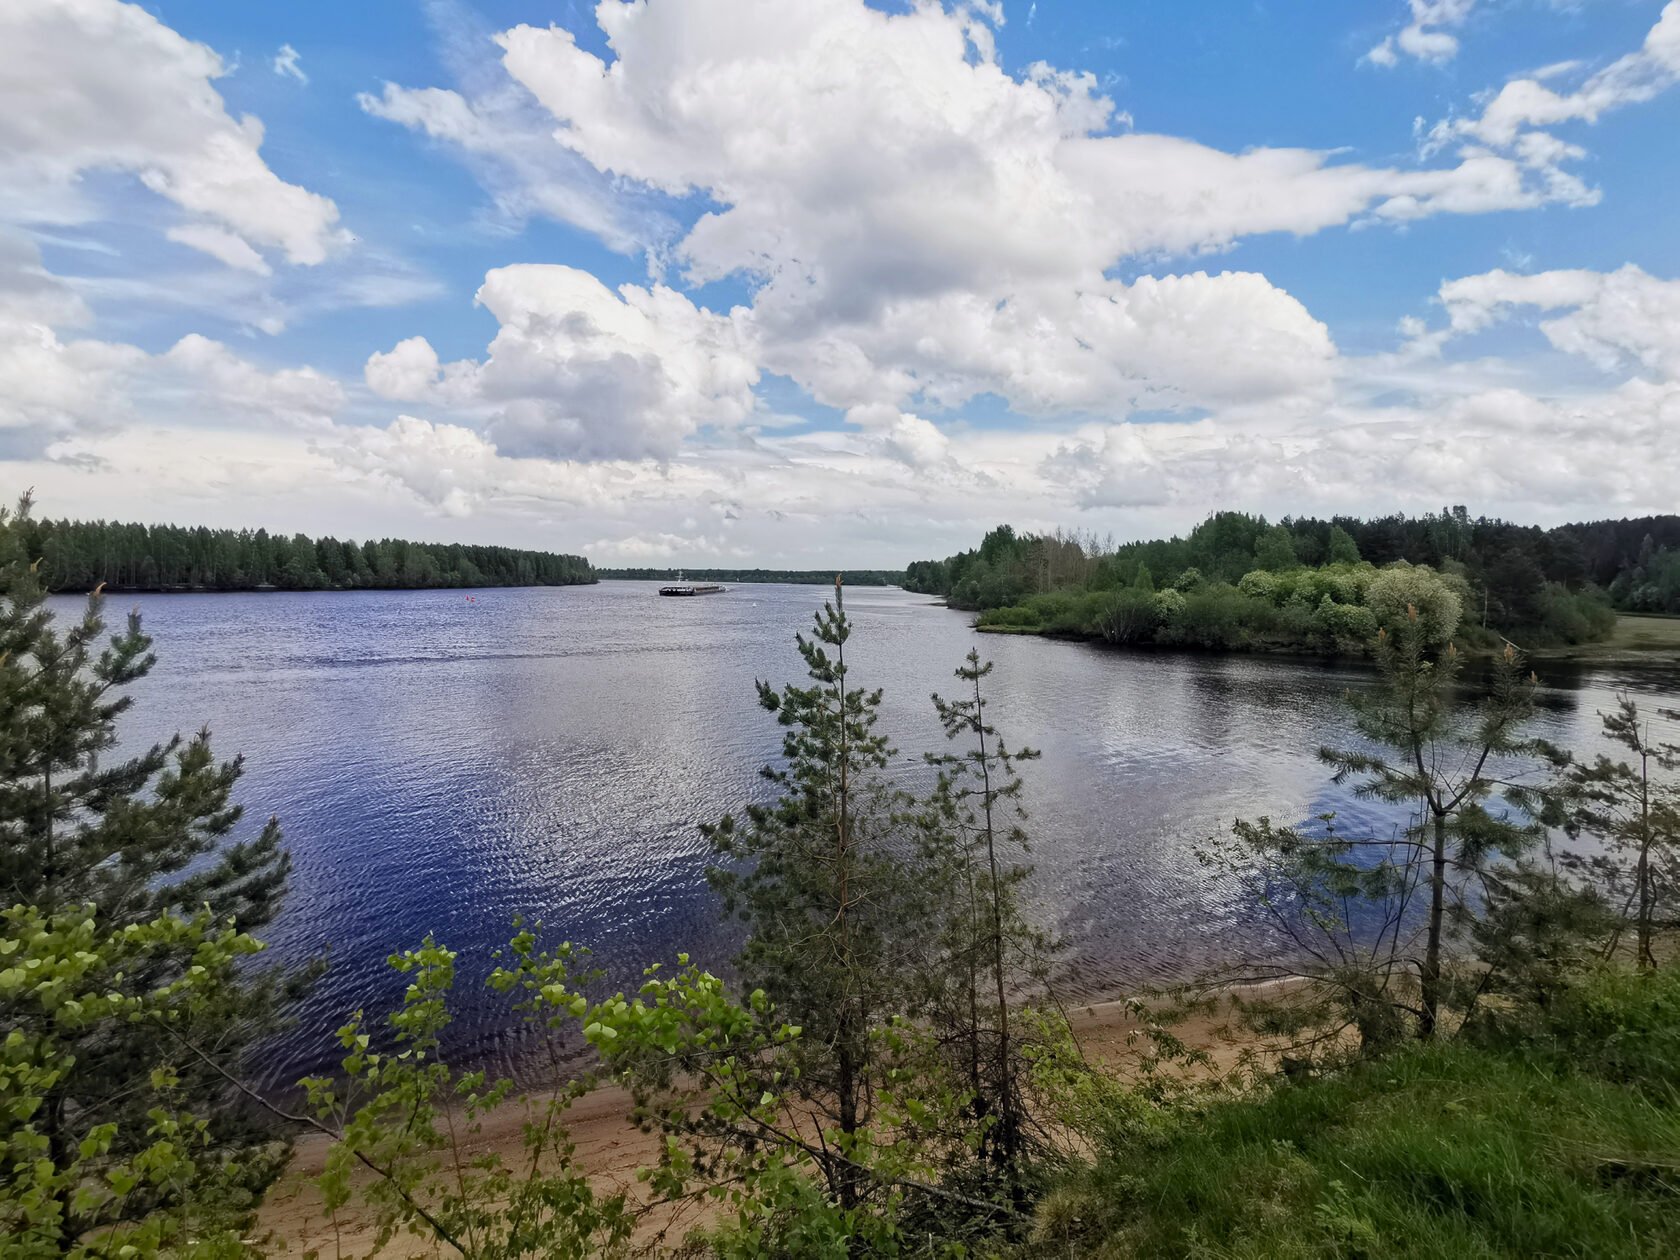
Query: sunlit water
point(442, 765)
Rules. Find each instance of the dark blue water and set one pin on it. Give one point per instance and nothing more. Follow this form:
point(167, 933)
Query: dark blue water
point(441, 765)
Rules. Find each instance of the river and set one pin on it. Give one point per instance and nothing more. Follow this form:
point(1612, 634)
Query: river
point(441, 764)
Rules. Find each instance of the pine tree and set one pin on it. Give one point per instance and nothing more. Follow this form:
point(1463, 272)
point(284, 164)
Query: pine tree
point(825, 879)
point(980, 791)
point(131, 840)
point(1442, 759)
point(1636, 815)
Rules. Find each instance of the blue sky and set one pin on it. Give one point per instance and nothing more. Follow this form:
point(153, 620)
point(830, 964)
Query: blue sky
point(831, 284)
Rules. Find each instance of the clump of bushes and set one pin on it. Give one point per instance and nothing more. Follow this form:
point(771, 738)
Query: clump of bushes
point(1335, 608)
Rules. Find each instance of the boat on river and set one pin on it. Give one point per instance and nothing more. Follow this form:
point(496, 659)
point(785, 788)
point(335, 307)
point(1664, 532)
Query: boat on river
point(690, 590)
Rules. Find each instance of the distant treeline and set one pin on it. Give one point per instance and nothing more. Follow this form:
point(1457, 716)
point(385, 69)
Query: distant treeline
point(1239, 581)
point(799, 577)
point(79, 555)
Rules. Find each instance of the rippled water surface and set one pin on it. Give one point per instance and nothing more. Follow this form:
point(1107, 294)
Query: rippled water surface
point(441, 765)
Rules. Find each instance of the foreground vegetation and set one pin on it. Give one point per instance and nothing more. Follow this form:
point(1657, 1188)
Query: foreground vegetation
point(1479, 1048)
point(79, 556)
point(1554, 1139)
point(1237, 583)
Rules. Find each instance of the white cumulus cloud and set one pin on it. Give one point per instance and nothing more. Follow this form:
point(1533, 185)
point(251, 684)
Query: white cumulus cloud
point(577, 369)
point(1428, 36)
point(96, 85)
point(1618, 319)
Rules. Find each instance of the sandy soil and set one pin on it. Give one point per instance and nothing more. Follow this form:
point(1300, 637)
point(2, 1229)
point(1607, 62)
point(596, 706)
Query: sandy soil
point(612, 1149)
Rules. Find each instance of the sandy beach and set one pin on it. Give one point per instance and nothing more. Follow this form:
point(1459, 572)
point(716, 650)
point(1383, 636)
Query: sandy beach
point(612, 1149)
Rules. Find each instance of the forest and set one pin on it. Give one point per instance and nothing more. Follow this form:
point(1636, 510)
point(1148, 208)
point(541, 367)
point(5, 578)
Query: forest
point(1238, 581)
point(1450, 1039)
point(797, 577)
point(78, 556)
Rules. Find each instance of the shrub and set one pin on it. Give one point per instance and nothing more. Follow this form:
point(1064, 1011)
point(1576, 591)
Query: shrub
point(1259, 584)
point(1169, 603)
point(1344, 622)
point(1574, 616)
point(1128, 616)
point(1083, 614)
point(1402, 587)
point(1212, 617)
point(1014, 618)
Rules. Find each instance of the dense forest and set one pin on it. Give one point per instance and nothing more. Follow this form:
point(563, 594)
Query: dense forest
point(1239, 581)
point(799, 577)
point(80, 555)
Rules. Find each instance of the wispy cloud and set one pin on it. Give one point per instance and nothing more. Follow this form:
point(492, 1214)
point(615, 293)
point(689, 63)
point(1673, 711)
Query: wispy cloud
point(286, 64)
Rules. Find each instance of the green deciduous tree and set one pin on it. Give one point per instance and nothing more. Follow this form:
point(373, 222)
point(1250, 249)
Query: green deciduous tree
point(1275, 552)
point(1341, 548)
point(145, 1178)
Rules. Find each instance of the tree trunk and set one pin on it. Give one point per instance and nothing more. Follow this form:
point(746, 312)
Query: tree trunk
point(1642, 878)
point(1437, 914)
point(1008, 1123)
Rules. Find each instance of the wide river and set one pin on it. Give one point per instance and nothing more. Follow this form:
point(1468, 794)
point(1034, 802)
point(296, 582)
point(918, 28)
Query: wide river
point(443, 764)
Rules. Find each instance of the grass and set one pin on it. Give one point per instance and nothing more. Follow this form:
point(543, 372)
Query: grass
point(1568, 1145)
point(1637, 636)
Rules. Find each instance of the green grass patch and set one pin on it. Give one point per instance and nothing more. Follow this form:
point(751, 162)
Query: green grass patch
point(1563, 1143)
point(1637, 636)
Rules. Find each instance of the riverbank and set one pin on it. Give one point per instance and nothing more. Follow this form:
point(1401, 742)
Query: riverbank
point(611, 1150)
point(1637, 639)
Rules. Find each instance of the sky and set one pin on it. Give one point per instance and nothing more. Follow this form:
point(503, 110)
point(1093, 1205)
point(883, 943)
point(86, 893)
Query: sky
point(751, 282)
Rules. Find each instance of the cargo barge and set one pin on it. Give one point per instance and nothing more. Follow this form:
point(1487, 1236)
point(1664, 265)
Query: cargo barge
point(690, 590)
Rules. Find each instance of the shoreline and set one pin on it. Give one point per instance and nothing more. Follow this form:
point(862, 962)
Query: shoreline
point(1648, 639)
point(610, 1149)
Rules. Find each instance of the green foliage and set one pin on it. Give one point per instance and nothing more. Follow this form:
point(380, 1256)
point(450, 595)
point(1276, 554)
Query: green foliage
point(1275, 552)
point(136, 840)
point(1259, 584)
point(409, 1118)
point(1633, 811)
point(73, 1180)
point(1129, 616)
point(1428, 749)
point(1567, 616)
point(991, 950)
point(1340, 548)
point(1362, 925)
point(1170, 603)
point(1557, 1143)
point(1541, 588)
point(1344, 623)
point(830, 883)
point(1408, 593)
point(83, 555)
point(1651, 583)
